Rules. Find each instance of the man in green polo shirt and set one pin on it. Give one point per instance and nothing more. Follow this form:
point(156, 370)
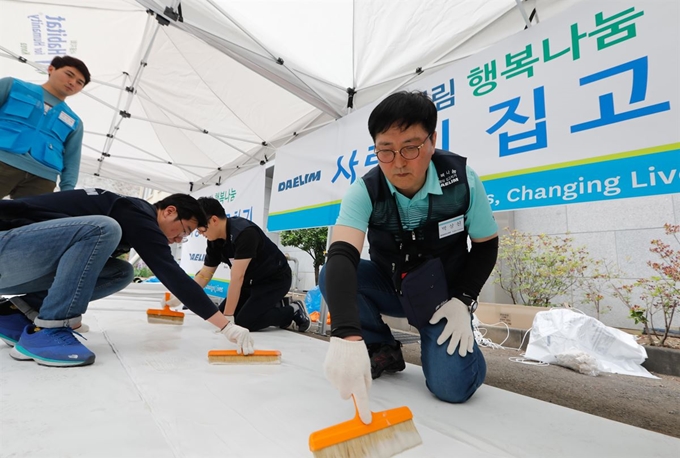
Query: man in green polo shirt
point(418, 209)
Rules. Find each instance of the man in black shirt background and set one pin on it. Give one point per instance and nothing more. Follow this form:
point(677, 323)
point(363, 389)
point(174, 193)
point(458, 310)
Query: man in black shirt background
point(59, 252)
point(260, 274)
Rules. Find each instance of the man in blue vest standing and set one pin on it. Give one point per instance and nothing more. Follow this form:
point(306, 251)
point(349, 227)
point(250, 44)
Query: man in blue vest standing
point(40, 136)
point(418, 207)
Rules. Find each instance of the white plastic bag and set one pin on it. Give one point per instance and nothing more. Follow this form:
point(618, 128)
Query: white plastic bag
point(563, 332)
point(579, 361)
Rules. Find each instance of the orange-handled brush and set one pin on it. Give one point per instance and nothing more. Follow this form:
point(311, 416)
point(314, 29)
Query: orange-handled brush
point(165, 315)
point(233, 357)
point(390, 432)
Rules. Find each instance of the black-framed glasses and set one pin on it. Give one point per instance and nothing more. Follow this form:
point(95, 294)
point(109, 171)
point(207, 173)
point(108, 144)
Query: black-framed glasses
point(185, 234)
point(407, 152)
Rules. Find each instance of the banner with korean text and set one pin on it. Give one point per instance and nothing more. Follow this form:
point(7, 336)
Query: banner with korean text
point(242, 195)
point(582, 107)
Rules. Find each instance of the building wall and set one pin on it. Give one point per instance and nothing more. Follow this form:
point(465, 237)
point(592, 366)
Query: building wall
point(619, 231)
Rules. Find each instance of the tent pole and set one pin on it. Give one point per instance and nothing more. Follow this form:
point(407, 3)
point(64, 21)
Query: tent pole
point(324, 307)
point(115, 125)
point(278, 60)
point(11, 55)
point(196, 128)
point(523, 13)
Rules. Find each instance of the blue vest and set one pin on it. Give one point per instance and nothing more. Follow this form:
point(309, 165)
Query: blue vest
point(25, 128)
point(397, 251)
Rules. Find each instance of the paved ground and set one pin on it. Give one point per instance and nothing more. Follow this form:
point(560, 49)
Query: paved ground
point(652, 404)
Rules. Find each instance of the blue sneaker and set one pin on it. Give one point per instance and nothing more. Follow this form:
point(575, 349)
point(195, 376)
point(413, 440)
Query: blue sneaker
point(12, 323)
point(55, 347)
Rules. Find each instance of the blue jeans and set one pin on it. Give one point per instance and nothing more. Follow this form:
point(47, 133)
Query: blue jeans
point(451, 378)
point(61, 265)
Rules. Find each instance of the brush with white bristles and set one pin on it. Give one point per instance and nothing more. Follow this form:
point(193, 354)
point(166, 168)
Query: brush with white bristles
point(389, 433)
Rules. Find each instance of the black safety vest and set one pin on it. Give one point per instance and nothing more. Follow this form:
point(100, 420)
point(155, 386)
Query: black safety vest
point(268, 262)
point(396, 250)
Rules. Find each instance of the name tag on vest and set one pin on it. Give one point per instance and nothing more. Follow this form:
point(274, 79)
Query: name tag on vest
point(69, 121)
point(451, 226)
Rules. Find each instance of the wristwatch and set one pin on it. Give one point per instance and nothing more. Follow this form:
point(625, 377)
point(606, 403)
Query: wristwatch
point(470, 301)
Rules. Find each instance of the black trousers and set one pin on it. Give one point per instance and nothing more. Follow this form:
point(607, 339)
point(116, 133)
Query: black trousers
point(261, 305)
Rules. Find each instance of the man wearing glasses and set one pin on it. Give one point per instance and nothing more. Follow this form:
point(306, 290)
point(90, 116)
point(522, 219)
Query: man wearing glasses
point(260, 274)
point(59, 251)
point(418, 207)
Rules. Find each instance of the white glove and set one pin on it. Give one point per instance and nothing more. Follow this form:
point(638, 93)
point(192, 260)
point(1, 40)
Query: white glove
point(173, 302)
point(348, 369)
point(240, 336)
point(457, 327)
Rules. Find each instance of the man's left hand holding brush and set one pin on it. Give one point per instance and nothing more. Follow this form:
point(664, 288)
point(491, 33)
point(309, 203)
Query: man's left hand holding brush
point(236, 334)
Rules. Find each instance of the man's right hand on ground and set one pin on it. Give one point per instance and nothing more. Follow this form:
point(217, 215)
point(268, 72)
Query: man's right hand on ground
point(239, 336)
point(348, 368)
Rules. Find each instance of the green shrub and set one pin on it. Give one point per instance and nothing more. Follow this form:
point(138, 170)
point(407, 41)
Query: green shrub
point(142, 271)
point(534, 269)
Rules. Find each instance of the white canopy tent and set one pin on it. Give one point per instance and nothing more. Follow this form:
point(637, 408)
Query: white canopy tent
point(186, 94)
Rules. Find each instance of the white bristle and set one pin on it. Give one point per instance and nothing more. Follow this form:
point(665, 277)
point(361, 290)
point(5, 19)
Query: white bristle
point(157, 320)
point(244, 360)
point(380, 444)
